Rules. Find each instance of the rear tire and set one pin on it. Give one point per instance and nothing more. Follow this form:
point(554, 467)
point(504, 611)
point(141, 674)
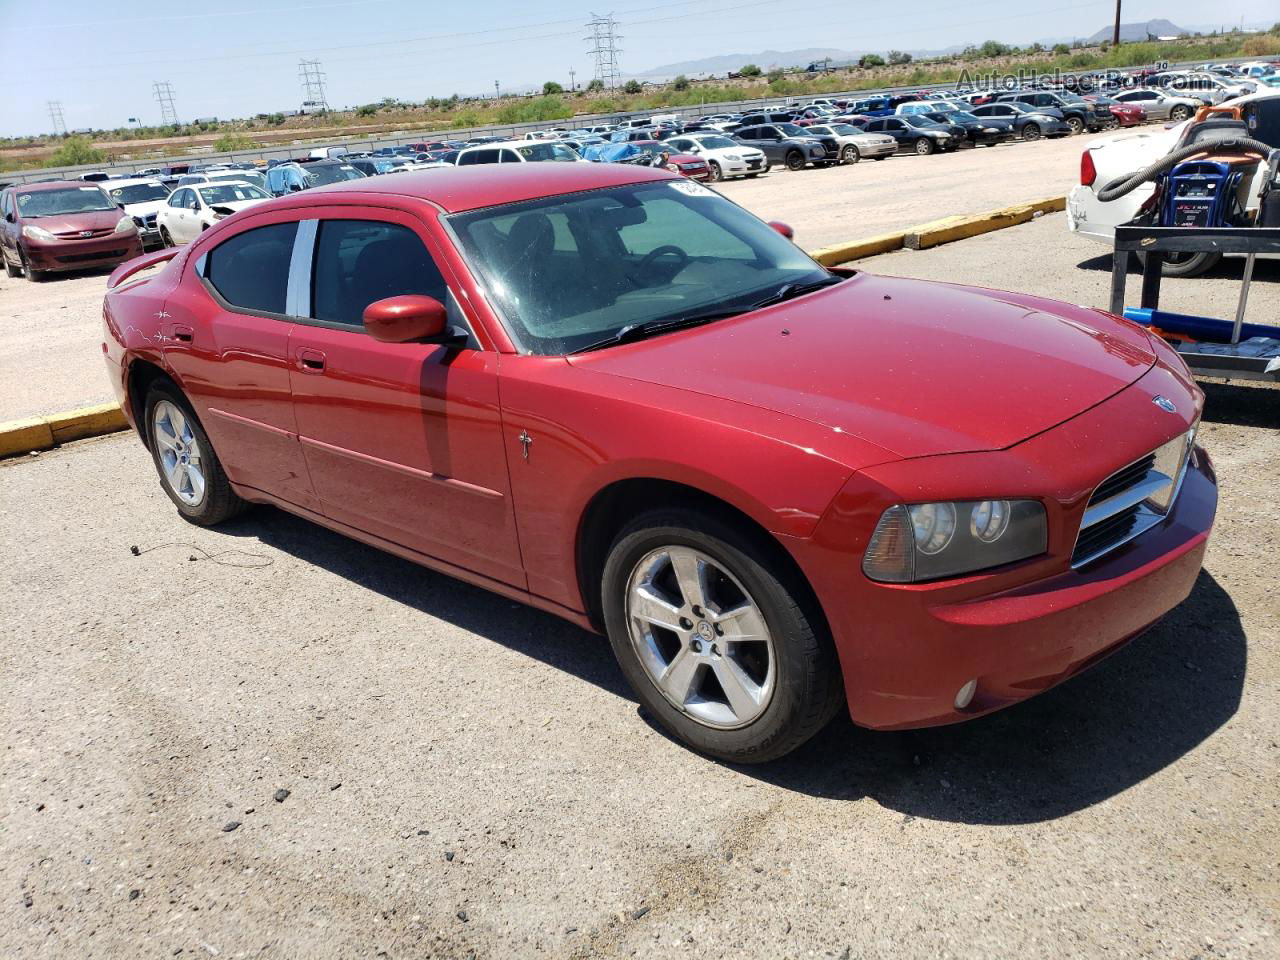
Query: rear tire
point(923, 147)
point(1031, 131)
point(1192, 266)
point(783, 672)
point(11, 269)
point(190, 472)
point(795, 160)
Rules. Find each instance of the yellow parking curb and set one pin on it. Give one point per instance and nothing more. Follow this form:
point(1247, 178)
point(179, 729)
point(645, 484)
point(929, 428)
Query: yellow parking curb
point(949, 229)
point(42, 433)
point(867, 247)
point(925, 235)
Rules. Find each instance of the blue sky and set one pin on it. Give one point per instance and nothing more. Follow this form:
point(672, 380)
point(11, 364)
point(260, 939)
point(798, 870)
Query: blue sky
point(235, 58)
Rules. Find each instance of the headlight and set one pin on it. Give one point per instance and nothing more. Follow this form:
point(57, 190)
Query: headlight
point(126, 225)
point(928, 541)
point(732, 156)
point(32, 232)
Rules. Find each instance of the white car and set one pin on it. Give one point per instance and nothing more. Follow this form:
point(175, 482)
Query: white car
point(194, 209)
point(932, 106)
point(223, 176)
point(854, 144)
point(1111, 157)
point(725, 156)
point(142, 198)
point(516, 151)
point(1160, 104)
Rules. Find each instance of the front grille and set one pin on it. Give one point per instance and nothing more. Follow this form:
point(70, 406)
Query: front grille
point(1132, 500)
point(85, 257)
point(80, 234)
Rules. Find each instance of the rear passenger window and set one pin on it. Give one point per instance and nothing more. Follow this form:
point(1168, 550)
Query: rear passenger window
point(358, 262)
point(251, 269)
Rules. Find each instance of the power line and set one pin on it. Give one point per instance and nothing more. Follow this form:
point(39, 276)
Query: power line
point(55, 114)
point(312, 78)
point(604, 47)
point(163, 91)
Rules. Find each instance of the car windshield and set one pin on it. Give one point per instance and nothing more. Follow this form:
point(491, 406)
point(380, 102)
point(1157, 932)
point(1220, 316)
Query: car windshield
point(960, 116)
point(717, 143)
point(547, 151)
point(570, 270)
point(843, 129)
point(791, 130)
point(53, 203)
point(139, 193)
point(330, 173)
point(1105, 101)
point(248, 176)
point(916, 120)
point(231, 193)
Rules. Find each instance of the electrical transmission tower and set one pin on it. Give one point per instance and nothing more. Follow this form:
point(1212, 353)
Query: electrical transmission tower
point(604, 47)
point(312, 78)
point(55, 114)
point(163, 91)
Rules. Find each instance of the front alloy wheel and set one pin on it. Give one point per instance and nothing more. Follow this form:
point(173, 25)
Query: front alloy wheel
point(716, 173)
point(1031, 132)
point(795, 160)
point(850, 154)
point(1076, 125)
point(717, 635)
point(1179, 113)
point(924, 147)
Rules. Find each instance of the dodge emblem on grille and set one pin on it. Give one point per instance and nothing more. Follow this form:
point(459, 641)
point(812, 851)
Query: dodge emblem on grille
point(1164, 403)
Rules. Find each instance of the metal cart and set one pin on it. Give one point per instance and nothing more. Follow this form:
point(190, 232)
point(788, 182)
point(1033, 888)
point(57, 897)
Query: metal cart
point(1257, 358)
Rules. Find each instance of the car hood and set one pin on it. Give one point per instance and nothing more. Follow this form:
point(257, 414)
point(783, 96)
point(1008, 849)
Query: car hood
point(144, 209)
point(916, 368)
point(75, 222)
point(238, 204)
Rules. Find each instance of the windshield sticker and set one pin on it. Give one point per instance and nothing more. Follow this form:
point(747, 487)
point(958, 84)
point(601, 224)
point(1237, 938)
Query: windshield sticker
point(26, 197)
point(90, 189)
point(689, 188)
point(345, 167)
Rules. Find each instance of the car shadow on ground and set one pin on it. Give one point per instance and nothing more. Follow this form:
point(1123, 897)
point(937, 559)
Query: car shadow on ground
point(1079, 744)
point(1228, 268)
point(1244, 404)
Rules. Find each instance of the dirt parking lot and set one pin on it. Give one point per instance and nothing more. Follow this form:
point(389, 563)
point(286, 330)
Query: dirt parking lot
point(467, 777)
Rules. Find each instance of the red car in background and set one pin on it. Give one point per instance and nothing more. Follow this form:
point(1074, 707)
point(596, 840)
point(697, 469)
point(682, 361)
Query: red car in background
point(609, 392)
point(685, 164)
point(1125, 114)
point(63, 225)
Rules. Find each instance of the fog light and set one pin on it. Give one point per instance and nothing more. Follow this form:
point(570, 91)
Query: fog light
point(964, 696)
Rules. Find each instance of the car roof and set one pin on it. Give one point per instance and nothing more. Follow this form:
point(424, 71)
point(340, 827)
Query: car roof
point(134, 181)
point(487, 185)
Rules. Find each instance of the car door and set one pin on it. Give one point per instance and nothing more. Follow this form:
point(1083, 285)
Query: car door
point(402, 440)
point(8, 228)
point(226, 334)
point(177, 213)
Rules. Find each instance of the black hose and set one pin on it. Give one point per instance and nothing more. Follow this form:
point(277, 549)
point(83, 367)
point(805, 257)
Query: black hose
point(1127, 184)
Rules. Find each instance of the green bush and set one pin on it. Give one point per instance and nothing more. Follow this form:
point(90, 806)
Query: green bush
point(680, 83)
point(897, 57)
point(234, 141)
point(595, 86)
point(871, 60)
point(776, 76)
point(632, 87)
point(1061, 49)
point(368, 110)
point(750, 70)
point(75, 152)
point(551, 88)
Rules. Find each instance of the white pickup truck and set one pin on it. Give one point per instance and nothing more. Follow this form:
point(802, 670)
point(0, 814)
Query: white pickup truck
point(1108, 158)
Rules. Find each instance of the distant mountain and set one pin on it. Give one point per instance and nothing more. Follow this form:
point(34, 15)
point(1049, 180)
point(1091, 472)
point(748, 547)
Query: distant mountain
point(1137, 32)
point(767, 59)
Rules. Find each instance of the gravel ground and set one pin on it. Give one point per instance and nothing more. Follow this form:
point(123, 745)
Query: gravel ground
point(471, 778)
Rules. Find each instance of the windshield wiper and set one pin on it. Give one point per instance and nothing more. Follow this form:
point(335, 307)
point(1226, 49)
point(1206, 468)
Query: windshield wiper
point(789, 291)
point(642, 331)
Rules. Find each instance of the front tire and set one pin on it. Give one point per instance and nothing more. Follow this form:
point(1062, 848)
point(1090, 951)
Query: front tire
point(923, 147)
point(715, 639)
point(716, 173)
point(795, 161)
point(1179, 113)
point(1076, 125)
point(1031, 131)
point(850, 154)
point(189, 469)
point(165, 239)
point(34, 276)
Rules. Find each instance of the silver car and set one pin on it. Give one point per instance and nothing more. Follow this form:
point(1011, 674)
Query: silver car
point(1160, 104)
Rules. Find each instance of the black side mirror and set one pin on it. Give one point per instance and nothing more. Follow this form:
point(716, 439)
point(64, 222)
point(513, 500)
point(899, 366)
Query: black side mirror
point(295, 187)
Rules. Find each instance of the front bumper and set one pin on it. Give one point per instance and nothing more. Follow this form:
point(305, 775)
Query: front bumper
point(906, 651)
point(61, 255)
point(879, 150)
point(740, 168)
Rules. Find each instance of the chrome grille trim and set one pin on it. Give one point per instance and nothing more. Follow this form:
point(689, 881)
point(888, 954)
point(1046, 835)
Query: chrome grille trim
point(1125, 511)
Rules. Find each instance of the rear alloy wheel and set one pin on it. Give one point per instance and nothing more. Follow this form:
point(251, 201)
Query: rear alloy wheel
point(924, 147)
point(713, 638)
point(1031, 131)
point(1076, 125)
point(190, 471)
point(795, 160)
point(850, 154)
point(1179, 113)
point(716, 173)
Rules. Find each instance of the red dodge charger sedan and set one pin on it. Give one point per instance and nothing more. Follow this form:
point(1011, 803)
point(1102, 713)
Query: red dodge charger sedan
point(613, 394)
